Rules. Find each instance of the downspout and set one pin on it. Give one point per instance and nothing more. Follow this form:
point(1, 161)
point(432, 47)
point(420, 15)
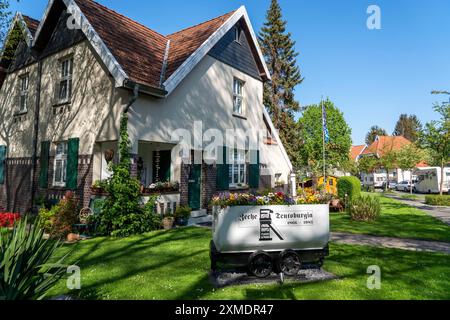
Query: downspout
point(36, 131)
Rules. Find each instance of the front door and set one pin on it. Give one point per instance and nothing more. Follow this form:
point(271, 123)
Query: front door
point(195, 186)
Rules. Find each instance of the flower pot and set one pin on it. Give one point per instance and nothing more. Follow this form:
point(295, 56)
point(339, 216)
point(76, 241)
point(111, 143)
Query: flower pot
point(72, 237)
point(168, 223)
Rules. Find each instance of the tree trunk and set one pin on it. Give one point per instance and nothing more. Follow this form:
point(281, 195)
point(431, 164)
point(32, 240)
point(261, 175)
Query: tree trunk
point(410, 183)
point(387, 180)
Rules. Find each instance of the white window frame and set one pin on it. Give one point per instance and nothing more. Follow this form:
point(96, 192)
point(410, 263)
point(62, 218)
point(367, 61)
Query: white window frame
point(23, 93)
point(237, 35)
point(238, 164)
point(61, 151)
point(238, 95)
point(66, 75)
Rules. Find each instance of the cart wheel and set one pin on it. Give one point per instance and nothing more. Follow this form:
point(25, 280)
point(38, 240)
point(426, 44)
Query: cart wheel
point(213, 256)
point(260, 264)
point(320, 263)
point(289, 263)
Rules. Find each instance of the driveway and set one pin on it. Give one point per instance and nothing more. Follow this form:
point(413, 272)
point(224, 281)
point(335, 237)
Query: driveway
point(440, 213)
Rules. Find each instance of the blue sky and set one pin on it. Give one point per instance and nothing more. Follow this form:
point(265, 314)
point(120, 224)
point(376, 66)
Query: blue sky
point(372, 76)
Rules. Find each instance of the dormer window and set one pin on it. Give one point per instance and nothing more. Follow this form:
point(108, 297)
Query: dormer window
point(23, 96)
point(237, 34)
point(65, 84)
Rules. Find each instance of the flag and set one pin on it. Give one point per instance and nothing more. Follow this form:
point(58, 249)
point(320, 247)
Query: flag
point(325, 126)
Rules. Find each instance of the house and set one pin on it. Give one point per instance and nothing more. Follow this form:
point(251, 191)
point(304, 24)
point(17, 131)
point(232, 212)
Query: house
point(356, 152)
point(192, 97)
point(380, 147)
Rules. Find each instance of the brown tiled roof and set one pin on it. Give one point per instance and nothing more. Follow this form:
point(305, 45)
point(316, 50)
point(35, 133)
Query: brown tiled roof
point(31, 23)
point(185, 42)
point(138, 49)
point(386, 144)
point(356, 151)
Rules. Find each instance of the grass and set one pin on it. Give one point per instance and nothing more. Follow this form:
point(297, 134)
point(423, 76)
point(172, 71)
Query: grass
point(175, 265)
point(396, 220)
point(410, 196)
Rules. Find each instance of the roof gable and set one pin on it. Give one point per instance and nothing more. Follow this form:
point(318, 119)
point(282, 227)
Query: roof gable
point(384, 144)
point(356, 151)
point(134, 53)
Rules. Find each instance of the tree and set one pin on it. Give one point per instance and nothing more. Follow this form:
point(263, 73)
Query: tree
point(311, 132)
point(388, 161)
point(436, 138)
point(279, 52)
point(368, 164)
point(408, 157)
point(408, 126)
point(16, 34)
point(373, 133)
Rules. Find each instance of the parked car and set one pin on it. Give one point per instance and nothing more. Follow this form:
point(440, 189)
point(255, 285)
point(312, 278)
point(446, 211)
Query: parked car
point(392, 185)
point(405, 186)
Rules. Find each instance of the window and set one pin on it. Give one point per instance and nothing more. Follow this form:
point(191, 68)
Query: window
point(238, 168)
point(238, 99)
point(60, 166)
point(65, 84)
point(23, 97)
point(237, 34)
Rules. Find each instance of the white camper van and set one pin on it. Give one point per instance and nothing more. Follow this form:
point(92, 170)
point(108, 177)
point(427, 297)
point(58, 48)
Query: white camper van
point(429, 180)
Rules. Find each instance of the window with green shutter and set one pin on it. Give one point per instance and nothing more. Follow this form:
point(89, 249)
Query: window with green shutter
point(223, 171)
point(254, 169)
point(72, 164)
point(2, 164)
point(43, 174)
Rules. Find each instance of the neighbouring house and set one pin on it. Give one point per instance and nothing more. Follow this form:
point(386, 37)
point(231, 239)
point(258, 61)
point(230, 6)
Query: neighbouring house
point(381, 146)
point(82, 65)
point(356, 152)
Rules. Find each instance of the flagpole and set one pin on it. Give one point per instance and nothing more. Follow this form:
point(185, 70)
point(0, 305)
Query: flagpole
point(324, 150)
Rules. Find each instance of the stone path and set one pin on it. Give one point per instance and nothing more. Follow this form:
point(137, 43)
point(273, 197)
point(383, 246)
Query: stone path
point(394, 243)
point(440, 213)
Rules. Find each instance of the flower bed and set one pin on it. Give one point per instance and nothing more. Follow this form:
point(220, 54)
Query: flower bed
point(7, 219)
point(279, 199)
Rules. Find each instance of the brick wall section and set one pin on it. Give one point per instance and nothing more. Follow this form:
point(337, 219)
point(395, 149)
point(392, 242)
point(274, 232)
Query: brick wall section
point(16, 192)
point(209, 181)
point(184, 185)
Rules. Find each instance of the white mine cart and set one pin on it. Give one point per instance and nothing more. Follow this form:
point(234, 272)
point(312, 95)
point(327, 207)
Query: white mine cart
point(270, 239)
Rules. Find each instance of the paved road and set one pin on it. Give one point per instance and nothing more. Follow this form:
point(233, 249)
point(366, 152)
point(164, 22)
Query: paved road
point(393, 243)
point(441, 213)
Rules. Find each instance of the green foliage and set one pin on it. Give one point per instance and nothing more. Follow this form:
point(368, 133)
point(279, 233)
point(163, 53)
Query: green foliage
point(25, 271)
point(183, 213)
point(368, 164)
point(122, 214)
point(436, 138)
point(437, 200)
point(365, 208)
point(408, 127)
point(47, 217)
point(311, 132)
point(279, 52)
point(350, 186)
point(373, 133)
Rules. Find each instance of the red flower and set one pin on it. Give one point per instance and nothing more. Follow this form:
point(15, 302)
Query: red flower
point(7, 219)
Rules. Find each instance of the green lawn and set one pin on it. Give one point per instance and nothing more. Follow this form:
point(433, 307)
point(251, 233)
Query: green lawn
point(397, 220)
point(175, 265)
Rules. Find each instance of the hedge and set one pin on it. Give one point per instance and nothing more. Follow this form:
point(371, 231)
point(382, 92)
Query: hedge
point(350, 186)
point(436, 200)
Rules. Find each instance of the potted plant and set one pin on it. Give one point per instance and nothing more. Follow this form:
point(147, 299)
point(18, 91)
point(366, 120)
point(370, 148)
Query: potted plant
point(182, 215)
point(168, 221)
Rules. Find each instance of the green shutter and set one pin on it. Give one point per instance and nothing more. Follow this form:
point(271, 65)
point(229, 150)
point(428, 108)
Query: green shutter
point(223, 171)
point(72, 164)
point(43, 174)
point(2, 164)
point(254, 169)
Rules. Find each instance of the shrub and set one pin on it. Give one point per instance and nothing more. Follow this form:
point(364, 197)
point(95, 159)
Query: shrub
point(365, 208)
point(437, 200)
point(47, 217)
point(25, 271)
point(8, 219)
point(350, 186)
point(183, 213)
point(66, 216)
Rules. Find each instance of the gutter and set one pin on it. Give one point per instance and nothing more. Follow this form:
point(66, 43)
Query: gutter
point(156, 92)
